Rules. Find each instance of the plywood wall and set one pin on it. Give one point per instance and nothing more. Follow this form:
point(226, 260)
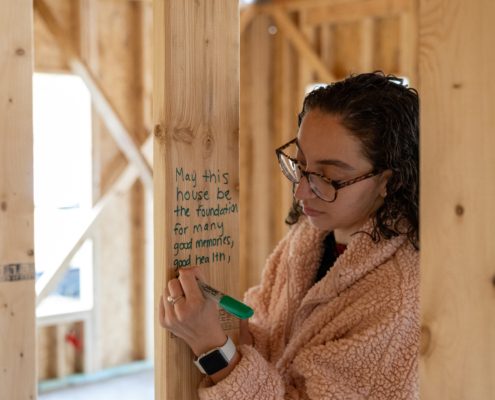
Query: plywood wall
point(457, 59)
point(17, 320)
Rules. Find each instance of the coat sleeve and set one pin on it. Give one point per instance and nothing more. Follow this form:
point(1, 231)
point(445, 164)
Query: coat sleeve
point(376, 360)
point(262, 297)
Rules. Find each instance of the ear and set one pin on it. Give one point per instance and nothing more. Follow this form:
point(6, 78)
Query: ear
point(383, 180)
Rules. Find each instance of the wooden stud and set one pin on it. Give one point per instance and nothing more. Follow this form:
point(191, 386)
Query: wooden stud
point(196, 131)
point(306, 73)
point(246, 17)
point(48, 281)
point(305, 5)
point(284, 129)
point(17, 310)
point(456, 63)
point(357, 10)
point(259, 183)
point(409, 38)
point(147, 79)
point(300, 43)
point(387, 45)
point(327, 46)
point(367, 44)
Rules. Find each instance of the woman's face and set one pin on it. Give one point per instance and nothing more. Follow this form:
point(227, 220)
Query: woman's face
point(328, 148)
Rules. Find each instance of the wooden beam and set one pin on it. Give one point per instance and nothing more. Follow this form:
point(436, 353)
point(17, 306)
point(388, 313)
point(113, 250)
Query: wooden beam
point(456, 63)
point(409, 42)
point(302, 5)
point(283, 119)
point(306, 74)
point(196, 128)
point(367, 44)
point(260, 138)
point(17, 317)
point(116, 127)
point(300, 43)
point(246, 17)
point(48, 281)
point(356, 10)
point(327, 41)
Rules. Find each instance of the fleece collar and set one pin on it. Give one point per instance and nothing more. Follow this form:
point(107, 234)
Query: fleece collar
point(361, 257)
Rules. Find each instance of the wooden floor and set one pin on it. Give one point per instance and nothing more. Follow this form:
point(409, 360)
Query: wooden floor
point(130, 387)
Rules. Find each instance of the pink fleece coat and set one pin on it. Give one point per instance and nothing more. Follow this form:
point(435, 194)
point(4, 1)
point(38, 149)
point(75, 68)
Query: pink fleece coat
point(352, 335)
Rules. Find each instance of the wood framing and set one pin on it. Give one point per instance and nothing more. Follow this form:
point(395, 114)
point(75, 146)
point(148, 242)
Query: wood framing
point(196, 129)
point(257, 141)
point(348, 11)
point(300, 43)
point(409, 39)
point(116, 127)
point(246, 17)
point(17, 318)
point(128, 175)
point(367, 43)
point(456, 64)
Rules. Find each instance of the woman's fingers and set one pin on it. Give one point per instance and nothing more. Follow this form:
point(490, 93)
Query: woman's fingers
point(188, 280)
point(175, 288)
point(167, 314)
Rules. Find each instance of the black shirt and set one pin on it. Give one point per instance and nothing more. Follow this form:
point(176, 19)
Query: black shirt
point(331, 252)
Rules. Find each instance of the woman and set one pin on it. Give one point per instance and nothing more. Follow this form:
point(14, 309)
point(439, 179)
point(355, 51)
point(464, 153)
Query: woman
point(337, 310)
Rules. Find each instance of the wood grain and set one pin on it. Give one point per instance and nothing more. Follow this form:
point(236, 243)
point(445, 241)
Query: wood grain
point(196, 130)
point(17, 318)
point(456, 61)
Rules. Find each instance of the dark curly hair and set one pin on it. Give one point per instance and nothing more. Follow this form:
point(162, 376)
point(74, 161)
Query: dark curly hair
point(383, 114)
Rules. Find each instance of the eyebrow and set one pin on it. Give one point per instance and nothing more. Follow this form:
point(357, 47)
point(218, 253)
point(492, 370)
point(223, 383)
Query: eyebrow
point(336, 163)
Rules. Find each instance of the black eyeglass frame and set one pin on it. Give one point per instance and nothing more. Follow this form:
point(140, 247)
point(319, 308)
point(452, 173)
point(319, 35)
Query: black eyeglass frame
point(336, 184)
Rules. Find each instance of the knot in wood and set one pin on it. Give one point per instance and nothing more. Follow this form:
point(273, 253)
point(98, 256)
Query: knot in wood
point(20, 52)
point(208, 144)
point(459, 209)
point(184, 134)
point(158, 131)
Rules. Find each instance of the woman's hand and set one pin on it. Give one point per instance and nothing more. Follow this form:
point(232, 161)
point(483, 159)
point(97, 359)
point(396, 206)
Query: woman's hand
point(191, 317)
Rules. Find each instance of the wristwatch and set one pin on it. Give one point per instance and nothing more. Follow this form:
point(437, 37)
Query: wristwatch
point(216, 359)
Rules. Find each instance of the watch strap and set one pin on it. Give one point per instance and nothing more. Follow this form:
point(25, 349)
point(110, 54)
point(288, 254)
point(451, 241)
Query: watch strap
point(227, 352)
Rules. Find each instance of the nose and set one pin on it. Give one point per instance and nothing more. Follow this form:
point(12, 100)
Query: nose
point(303, 190)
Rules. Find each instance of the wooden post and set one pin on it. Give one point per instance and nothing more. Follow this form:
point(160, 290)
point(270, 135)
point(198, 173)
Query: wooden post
point(367, 26)
point(196, 173)
point(408, 55)
point(456, 64)
point(17, 310)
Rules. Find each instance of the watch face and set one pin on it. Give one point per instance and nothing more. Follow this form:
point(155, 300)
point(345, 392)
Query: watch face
point(213, 362)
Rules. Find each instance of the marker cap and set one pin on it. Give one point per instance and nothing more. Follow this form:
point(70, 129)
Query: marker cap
point(235, 307)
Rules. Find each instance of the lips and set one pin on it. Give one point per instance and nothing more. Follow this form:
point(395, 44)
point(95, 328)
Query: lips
point(310, 212)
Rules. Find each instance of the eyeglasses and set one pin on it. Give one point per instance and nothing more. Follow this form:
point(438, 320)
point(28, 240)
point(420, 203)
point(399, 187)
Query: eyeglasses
point(323, 187)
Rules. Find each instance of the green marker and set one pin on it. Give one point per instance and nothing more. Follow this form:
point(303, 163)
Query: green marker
point(229, 304)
